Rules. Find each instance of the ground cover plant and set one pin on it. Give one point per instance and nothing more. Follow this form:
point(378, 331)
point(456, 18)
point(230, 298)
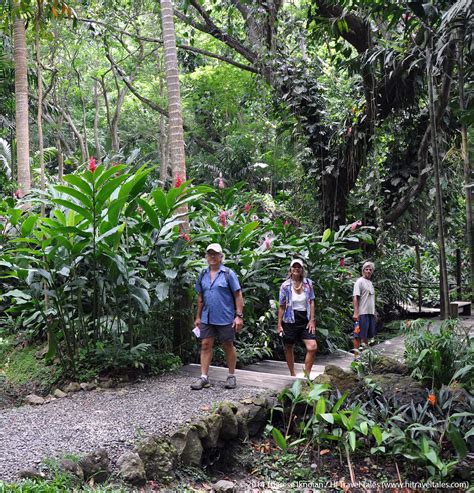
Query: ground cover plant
point(434, 434)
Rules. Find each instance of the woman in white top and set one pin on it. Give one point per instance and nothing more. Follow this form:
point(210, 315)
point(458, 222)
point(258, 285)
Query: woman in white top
point(296, 319)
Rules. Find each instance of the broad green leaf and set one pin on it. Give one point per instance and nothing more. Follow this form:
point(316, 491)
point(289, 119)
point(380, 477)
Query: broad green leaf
point(107, 190)
point(377, 433)
point(108, 173)
point(169, 225)
point(339, 403)
point(326, 235)
point(317, 390)
point(353, 417)
point(160, 201)
point(75, 231)
point(150, 212)
point(75, 207)
point(320, 406)
point(432, 456)
point(117, 229)
point(364, 428)
point(60, 216)
point(28, 224)
point(352, 440)
point(457, 440)
point(77, 181)
point(279, 438)
point(170, 273)
point(296, 389)
point(73, 192)
point(162, 291)
point(328, 417)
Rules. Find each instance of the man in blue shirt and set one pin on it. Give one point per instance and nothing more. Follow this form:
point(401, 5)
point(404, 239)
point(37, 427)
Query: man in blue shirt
point(219, 314)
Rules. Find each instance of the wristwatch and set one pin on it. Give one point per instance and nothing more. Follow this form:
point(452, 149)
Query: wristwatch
point(240, 315)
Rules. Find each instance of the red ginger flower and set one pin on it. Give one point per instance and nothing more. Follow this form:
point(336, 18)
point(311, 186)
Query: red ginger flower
point(432, 399)
point(185, 237)
point(286, 222)
point(178, 181)
point(92, 164)
point(342, 262)
point(223, 218)
point(247, 208)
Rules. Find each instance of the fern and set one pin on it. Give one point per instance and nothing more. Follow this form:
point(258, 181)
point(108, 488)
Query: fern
point(6, 157)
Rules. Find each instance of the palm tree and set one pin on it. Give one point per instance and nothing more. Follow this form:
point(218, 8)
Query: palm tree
point(176, 134)
point(182, 334)
point(21, 98)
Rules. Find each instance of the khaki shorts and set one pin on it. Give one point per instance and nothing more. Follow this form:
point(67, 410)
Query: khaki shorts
point(223, 332)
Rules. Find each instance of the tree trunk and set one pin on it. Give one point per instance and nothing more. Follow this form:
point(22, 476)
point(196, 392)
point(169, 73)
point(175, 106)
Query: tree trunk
point(39, 122)
point(116, 118)
point(96, 122)
point(176, 134)
point(21, 99)
point(444, 290)
point(467, 168)
point(163, 138)
point(182, 324)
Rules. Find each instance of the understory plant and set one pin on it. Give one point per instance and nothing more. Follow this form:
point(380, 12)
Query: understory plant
point(435, 434)
point(440, 356)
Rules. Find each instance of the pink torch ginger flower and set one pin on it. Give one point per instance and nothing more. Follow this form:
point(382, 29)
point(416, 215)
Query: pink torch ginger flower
point(255, 217)
point(342, 262)
point(247, 208)
point(178, 181)
point(355, 224)
point(268, 243)
point(185, 236)
point(223, 218)
point(92, 164)
point(286, 222)
point(221, 183)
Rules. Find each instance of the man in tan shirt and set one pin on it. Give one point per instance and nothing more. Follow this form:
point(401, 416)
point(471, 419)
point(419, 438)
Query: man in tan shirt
point(364, 307)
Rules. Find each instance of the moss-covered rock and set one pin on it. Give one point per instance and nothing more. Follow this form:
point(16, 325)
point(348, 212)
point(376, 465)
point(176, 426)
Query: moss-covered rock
point(159, 458)
point(230, 427)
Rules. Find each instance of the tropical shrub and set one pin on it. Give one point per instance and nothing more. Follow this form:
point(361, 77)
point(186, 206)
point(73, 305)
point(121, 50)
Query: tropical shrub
point(100, 268)
point(439, 357)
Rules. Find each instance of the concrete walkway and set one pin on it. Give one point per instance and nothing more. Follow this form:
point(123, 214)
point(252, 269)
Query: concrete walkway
point(274, 375)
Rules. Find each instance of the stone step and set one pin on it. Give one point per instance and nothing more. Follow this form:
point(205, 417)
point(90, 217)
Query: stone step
point(246, 378)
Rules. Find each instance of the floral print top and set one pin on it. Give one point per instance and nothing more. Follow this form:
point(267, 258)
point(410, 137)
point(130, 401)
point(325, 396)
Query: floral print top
point(286, 300)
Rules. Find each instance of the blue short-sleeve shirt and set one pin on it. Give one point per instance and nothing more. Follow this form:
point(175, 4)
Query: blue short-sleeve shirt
point(218, 296)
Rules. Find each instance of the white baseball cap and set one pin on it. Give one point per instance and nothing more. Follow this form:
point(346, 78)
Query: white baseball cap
point(296, 261)
point(215, 247)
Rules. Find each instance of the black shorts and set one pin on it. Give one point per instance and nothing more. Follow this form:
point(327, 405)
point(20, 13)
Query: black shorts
point(223, 332)
point(297, 331)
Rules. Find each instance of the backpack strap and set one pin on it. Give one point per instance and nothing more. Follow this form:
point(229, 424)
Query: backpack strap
point(226, 271)
point(201, 275)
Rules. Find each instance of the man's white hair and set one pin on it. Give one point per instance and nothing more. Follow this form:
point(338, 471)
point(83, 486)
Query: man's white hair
point(368, 264)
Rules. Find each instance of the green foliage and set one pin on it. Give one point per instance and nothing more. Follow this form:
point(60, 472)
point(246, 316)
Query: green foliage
point(434, 436)
point(20, 365)
point(440, 357)
point(97, 269)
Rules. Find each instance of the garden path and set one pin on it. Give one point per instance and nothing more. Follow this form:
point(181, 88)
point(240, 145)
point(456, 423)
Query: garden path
point(117, 418)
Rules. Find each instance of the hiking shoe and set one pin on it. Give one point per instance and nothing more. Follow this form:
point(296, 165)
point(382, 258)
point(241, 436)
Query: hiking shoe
point(201, 383)
point(231, 382)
